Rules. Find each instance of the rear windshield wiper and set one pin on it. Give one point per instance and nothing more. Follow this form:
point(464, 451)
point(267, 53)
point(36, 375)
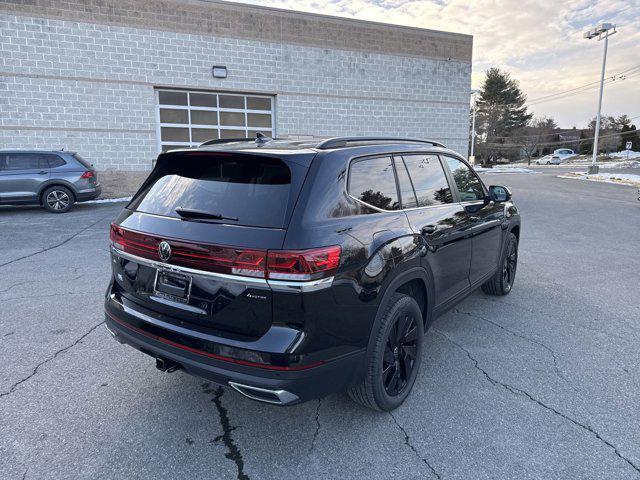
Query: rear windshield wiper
point(190, 214)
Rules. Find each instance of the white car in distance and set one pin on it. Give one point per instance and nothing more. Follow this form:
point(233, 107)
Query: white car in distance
point(557, 157)
point(547, 160)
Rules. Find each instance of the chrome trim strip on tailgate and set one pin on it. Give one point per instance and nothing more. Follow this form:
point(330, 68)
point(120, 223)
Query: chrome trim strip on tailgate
point(276, 285)
point(223, 277)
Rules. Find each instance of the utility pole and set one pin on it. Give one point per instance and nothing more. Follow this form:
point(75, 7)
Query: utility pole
point(602, 31)
point(472, 158)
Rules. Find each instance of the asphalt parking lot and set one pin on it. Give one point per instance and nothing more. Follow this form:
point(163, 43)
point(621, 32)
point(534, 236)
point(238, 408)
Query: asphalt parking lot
point(541, 384)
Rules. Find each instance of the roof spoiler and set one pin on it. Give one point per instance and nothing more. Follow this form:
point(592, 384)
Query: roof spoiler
point(260, 139)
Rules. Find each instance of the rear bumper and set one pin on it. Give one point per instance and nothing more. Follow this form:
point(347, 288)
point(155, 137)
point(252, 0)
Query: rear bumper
point(88, 194)
point(293, 386)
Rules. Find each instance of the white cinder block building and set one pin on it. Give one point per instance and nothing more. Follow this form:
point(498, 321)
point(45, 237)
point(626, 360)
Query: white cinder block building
point(119, 81)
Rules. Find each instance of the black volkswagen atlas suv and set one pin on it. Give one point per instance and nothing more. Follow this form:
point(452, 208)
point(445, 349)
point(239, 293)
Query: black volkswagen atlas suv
point(289, 270)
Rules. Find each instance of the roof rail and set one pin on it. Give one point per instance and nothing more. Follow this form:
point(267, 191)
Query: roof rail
point(341, 142)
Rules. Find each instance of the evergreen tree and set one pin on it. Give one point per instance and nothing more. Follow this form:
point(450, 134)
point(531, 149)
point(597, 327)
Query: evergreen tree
point(501, 106)
point(623, 121)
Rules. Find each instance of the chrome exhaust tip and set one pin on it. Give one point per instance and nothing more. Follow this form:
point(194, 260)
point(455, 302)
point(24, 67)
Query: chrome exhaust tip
point(166, 365)
point(276, 397)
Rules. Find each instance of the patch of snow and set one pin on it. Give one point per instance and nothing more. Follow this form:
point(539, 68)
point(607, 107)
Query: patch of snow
point(503, 169)
point(614, 164)
point(623, 164)
point(617, 178)
point(109, 200)
point(626, 154)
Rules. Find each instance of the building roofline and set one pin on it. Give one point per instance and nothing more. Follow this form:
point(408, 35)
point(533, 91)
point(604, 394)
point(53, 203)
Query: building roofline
point(325, 16)
point(247, 22)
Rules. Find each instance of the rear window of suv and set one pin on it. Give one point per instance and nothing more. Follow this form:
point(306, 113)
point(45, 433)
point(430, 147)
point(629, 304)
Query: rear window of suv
point(257, 191)
point(82, 161)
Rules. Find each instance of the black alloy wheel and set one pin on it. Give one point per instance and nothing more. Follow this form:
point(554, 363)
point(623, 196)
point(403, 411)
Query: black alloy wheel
point(509, 266)
point(394, 355)
point(400, 353)
point(502, 281)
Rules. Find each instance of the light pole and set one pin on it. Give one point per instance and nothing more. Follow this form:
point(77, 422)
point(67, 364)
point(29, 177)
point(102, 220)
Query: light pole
point(472, 158)
point(602, 31)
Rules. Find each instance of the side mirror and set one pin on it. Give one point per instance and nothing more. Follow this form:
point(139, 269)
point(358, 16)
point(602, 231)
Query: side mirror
point(499, 194)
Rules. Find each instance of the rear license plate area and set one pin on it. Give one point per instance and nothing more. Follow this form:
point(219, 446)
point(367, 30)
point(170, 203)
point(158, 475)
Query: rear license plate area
point(172, 286)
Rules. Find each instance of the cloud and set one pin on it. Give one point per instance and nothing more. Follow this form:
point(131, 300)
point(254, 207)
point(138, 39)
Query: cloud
point(539, 41)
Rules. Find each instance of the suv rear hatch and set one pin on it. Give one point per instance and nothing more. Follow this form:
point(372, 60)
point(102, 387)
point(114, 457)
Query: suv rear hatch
point(191, 246)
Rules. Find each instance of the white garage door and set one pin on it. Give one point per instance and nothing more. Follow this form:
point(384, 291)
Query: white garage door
point(187, 118)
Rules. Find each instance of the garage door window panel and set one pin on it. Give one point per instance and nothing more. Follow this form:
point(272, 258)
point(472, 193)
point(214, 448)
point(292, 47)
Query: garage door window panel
point(203, 100)
point(172, 98)
point(188, 118)
point(233, 119)
point(259, 120)
point(174, 116)
point(258, 103)
point(172, 134)
point(203, 134)
point(204, 117)
point(227, 133)
point(232, 101)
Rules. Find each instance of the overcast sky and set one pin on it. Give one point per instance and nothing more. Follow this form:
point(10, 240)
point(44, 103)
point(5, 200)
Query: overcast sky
point(538, 41)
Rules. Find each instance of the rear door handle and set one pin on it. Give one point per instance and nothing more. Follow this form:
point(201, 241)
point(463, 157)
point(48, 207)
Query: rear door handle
point(475, 218)
point(429, 229)
point(42, 172)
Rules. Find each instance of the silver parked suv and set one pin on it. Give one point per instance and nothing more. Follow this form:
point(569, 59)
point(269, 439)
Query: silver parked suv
point(53, 179)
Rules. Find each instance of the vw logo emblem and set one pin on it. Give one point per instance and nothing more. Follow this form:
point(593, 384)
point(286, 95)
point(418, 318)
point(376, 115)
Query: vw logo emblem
point(164, 251)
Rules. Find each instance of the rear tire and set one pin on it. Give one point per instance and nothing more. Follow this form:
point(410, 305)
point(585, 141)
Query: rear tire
point(58, 199)
point(502, 281)
point(392, 365)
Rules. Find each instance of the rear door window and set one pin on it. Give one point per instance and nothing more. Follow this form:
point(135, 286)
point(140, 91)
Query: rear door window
point(247, 190)
point(24, 161)
point(429, 180)
point(372, 181)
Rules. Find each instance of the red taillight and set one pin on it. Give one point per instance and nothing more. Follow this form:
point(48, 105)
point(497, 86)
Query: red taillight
point(116, 235)
point(298, 265)
point(302, 264)
point(219, 259)
point(87, 174)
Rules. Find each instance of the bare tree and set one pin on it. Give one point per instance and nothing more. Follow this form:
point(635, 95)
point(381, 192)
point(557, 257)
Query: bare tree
point(534, 136)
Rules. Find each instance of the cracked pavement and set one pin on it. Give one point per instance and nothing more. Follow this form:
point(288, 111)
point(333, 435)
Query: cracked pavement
point(543, 383)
